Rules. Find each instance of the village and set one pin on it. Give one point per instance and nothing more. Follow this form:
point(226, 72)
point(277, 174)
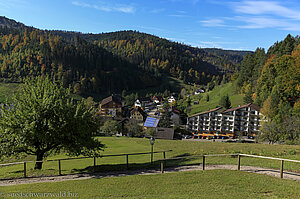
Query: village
point(240, 122)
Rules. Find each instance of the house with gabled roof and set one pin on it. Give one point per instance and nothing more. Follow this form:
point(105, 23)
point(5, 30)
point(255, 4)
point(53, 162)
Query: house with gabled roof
point(171, 99)
point(111, 106)
point(143, 102)
point(199, 91)
point(138, 114)
point(157, 99)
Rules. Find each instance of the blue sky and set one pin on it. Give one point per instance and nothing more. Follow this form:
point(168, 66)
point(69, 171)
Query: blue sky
point(236, 24)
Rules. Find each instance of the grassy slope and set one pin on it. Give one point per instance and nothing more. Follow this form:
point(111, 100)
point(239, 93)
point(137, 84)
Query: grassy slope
point(214, 98)
point(195, 184)
point(7, 90)
point(180, 148)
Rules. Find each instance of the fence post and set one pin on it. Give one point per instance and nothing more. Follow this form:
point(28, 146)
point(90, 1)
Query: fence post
point(127, 161)
point(59, 168)
point(281, 169)
point(239, 162)
point(164, 154)
point(24, 169)
point(162, 166)
point(94, 164)
point(203, 163)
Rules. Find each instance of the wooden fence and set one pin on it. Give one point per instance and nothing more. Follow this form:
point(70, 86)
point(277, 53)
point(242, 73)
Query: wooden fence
point(271, 158)
point(163, 161)
point(95, 157)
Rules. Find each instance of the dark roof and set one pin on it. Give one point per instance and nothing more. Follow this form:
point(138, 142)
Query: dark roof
point(164, 133)
point(112, 98)
point(216, 109)
point(144, 99)
point(254, 106)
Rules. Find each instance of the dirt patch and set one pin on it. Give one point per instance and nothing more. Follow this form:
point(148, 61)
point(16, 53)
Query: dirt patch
point(270, 172)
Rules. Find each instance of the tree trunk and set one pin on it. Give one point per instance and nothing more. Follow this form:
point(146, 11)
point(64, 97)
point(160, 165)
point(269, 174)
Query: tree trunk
point(39, 157)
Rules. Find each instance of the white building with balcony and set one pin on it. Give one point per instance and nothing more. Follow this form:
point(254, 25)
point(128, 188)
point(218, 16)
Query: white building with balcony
point(242, 120)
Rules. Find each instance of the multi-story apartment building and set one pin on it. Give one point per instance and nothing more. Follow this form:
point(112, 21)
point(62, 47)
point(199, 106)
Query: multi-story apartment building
point(242, 120)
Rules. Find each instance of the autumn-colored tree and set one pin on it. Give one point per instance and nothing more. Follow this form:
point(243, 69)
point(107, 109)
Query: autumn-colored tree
point(269, 108)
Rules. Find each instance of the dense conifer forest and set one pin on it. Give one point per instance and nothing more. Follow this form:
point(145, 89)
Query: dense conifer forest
point(106, 63)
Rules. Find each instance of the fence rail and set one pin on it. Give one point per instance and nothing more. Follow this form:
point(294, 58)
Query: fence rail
point(163, 161)
point(94, 157)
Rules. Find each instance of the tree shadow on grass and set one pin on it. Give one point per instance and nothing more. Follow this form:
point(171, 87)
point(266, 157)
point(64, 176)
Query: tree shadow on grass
point(134, 168)
point(102, 168)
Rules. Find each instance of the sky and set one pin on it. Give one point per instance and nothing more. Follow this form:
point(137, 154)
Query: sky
point(236, 24)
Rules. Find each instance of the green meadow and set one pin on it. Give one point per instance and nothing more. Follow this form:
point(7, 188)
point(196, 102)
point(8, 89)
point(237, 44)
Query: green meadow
point(123, 145)
point(193, 184)
point(214, 98)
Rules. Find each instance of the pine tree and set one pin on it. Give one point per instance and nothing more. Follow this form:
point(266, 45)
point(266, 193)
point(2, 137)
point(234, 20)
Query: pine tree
point(207, 97)
point(248, 97)
point(225, 102)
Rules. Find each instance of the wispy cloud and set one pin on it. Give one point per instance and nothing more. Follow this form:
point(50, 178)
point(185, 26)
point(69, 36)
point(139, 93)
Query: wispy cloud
point(267, 14)
point(206, 44)
point(213, 23)
point(179, 13)
point(258, 22)
point(107, 7)
point(258, 15)
point(266, 7)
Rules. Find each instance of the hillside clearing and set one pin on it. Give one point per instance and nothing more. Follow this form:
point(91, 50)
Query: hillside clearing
point(214, 98)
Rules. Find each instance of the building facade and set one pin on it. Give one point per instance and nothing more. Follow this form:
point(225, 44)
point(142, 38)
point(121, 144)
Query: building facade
point(143, 102)
point(138, 114)
point(111, 106)
point(243, 120)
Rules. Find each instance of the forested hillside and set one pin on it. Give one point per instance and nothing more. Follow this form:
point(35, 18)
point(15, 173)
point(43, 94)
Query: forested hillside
point(85, 66)
point(152, 53)
point(105, 63)
point(271, 80)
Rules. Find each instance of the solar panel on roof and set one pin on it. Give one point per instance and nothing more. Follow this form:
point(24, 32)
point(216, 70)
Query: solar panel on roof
point(151, 122)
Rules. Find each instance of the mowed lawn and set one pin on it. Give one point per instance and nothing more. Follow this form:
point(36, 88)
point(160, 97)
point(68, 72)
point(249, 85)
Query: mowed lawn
point(193, 184)
point(122, 145)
